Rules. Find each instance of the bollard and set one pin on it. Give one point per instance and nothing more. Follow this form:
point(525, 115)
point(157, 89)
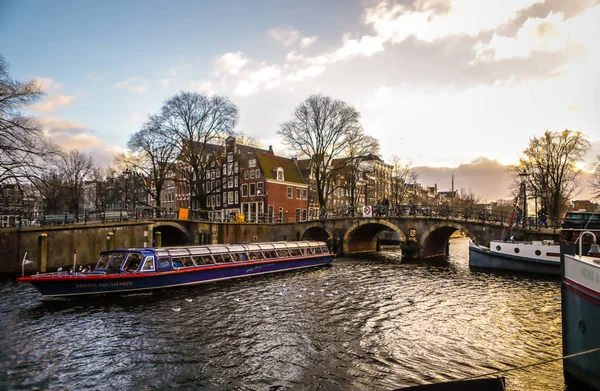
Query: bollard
point(42, 252)
point(157, 239)
point(110, 240)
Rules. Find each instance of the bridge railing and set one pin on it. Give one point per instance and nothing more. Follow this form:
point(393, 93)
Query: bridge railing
point(43, 218)
point(435, 212)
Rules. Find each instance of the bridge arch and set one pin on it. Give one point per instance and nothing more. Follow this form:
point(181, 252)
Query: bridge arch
point(172, 234)
point(317, 232)
point(362, 236)
point(434, 242)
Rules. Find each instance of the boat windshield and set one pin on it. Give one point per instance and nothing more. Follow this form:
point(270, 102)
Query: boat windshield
point(111, 261)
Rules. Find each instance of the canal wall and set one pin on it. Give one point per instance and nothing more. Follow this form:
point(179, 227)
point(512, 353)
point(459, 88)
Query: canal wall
point(87, 240)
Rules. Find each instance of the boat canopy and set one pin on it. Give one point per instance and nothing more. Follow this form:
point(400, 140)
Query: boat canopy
point(233, 248)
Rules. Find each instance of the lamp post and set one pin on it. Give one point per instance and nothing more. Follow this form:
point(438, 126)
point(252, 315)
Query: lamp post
point(126, 174)
point(524, 176)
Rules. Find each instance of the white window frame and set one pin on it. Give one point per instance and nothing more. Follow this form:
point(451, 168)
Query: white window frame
point(244, 190)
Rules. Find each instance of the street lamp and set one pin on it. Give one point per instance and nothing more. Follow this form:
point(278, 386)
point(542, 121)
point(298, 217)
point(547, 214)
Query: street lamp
point(126, 174)
point(524, 176)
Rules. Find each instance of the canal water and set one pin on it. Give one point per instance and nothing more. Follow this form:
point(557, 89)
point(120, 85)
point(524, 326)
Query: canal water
point(366, 323)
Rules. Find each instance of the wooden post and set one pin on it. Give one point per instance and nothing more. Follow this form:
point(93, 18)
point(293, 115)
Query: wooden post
point(42, 252)
point(110, 241)
point(157, 239)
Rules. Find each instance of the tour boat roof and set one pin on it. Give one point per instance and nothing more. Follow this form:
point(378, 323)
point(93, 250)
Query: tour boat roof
point(225, 248)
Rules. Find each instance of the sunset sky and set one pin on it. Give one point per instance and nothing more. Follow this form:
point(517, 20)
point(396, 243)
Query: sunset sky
point(443, 84)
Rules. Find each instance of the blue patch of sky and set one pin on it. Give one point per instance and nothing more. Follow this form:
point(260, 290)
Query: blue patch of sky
point(70, 40)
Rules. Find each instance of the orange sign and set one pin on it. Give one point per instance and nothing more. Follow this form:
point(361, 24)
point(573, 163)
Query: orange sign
point(183, 213)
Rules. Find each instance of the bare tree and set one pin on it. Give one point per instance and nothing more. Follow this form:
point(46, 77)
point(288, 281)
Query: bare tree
point(595, 182)
point(153, 156)
point(51, 187)
point(23, 147)
point(550, 162)
point(402, 176)
point(322, 129)
point(104, 190)
point(194, 121)
point(357, 154)
point(77, 168)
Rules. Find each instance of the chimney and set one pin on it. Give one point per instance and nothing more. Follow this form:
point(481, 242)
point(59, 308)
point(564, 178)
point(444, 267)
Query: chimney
point(271, 150)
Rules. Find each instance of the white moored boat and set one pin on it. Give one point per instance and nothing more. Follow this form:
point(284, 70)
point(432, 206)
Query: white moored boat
point(580, 291)
point(532, 257)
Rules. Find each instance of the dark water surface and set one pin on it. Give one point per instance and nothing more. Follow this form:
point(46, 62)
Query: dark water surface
point(361, 324)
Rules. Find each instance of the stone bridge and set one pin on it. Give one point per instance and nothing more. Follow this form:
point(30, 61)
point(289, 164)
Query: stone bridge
point(422, 237)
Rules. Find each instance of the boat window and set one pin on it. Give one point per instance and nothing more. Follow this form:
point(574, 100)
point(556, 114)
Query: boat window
point(148, 264)
point(283, 253)
point(187, 261)
point(325, 250)
point(270, 254)
point(114, 262)
point(207, 260)
point(317, 250)
point(517, 250)
point(197, 260)
point(295, 252)
point(255, 255)
point(498, 248)
point(164, 262)
point(102, 261)
point(538, 252)
point(239, 257)
point(222, 258)
point(133, 262)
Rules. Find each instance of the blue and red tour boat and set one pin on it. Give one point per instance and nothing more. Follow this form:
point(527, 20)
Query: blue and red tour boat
point(143, 269)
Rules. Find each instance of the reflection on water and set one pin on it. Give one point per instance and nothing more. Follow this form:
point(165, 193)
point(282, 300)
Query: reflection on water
point(364, 323)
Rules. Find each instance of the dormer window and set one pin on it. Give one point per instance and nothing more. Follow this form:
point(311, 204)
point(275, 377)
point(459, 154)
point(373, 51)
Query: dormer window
point(280, 174)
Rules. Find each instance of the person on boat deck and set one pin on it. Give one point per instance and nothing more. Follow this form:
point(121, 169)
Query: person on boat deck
point(133, 262)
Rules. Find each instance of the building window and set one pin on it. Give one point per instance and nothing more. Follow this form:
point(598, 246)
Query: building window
point(298, 214)
point(229, 157)
point(235, 182)
point(235, 167)
point(259, 188)
point(280, 215)
point(304, 215)
point(230, 182)
point(244, 190)
point(252, 189)
point(229, 168)
point(237, 196)
point(224, 198)
point(208, 203)
point(218, 200)
point(212, 174)
point(280, 176)
point(230, 197)
point(297, 193)
point(251, 174)
point(304, 194)
point(257, 173)
point(218, 173)
point(289, 193)
point(252, 163)
point(224, 170)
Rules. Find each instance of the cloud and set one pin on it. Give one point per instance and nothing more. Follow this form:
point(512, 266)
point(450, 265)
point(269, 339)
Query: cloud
point(50, 104)
point(285, 35)
point(47, 85)
point(267, 77)
point(133, 84)
point(230, 63)
point(540, 10)
point(56, 125)
point(308, 41)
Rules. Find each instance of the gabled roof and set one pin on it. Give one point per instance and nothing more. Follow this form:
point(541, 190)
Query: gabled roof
point(269, 162)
